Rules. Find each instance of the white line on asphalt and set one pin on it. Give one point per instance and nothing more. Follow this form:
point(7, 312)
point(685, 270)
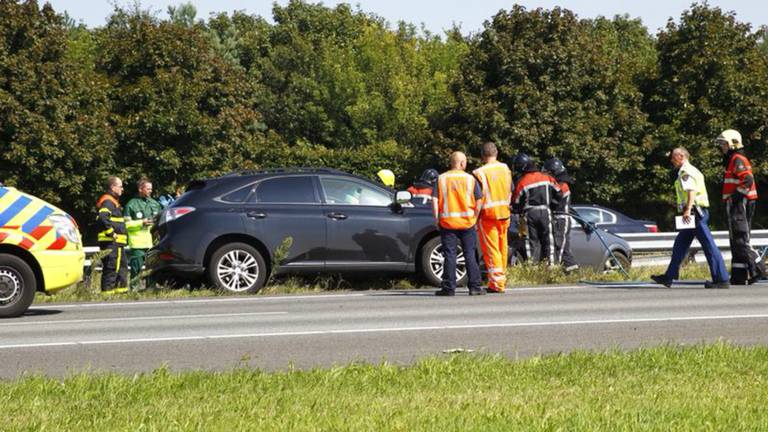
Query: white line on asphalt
point(188, 301)
point(145, 318)
point(381, 330)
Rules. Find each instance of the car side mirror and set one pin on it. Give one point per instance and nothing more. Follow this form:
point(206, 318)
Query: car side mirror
point(403, 197)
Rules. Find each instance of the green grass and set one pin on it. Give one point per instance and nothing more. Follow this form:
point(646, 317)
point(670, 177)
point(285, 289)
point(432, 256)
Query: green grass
point(713, 387)
point(524, 275)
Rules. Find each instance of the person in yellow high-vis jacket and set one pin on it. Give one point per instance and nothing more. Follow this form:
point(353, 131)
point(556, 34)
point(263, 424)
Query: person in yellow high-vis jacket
point(496, 182)
point(139, 218)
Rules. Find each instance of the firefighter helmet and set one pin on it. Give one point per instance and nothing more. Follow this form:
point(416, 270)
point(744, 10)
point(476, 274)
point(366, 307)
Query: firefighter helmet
point(523, 163)
point(554, 167)
point(429, 177)
point(732, 137)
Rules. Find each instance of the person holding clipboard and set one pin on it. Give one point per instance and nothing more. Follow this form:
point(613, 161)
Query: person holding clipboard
point(693, 203)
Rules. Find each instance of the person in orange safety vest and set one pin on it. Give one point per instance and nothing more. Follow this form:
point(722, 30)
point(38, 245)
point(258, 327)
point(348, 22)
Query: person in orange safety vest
point(740, 198)
point(456, 205)
point(496, 182)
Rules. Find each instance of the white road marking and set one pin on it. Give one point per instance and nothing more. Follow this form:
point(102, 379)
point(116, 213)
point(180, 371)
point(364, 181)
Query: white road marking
point(144, 318)
point(237, 299)
point(383, 330)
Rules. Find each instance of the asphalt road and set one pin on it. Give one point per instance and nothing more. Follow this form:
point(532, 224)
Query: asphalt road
point(308, 331)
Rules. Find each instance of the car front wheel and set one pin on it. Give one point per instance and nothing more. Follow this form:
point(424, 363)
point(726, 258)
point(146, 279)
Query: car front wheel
point(17, 286)
point(237, 268)
point(612, 266)
point(432, 262)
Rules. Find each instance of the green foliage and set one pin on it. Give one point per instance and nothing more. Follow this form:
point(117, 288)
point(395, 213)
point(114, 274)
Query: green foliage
point(182, 98)
point(548, 84)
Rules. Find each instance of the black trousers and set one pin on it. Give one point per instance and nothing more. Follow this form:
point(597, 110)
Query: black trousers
point(540, 245)
point(114, 266)
point(562, 237)
point(468, 240)
point(745, 262)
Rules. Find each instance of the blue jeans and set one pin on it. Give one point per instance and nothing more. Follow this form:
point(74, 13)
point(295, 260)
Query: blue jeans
point(450, 240)
point(683, 244)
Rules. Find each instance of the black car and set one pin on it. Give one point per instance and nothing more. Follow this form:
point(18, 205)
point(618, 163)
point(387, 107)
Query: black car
point(231, 229)
point(613, 221)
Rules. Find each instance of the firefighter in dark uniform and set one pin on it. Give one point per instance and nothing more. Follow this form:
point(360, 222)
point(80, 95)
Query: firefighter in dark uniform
point(562, 220)
point(113, 237)
point(421, 191)
point(740, 196)
point(534, 195)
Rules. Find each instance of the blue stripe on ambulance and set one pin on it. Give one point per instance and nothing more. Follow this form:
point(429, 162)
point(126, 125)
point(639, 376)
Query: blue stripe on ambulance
point(3, 191)
point(36, 219)
point(14, 209)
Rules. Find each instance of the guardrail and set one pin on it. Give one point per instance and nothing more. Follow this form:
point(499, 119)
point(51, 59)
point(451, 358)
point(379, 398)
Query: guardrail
point(662, 242)
point(639, 242)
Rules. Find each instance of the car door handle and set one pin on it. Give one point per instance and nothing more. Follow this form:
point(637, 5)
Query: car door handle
point(256, 215)
point(337, 216)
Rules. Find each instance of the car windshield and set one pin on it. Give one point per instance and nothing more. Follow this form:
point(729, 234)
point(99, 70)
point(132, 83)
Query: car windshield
point(349, 192)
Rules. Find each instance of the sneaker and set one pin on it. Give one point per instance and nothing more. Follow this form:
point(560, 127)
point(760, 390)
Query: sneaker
point(662, 280)
point(445, 293)
point(477, 292)
point(717, 285)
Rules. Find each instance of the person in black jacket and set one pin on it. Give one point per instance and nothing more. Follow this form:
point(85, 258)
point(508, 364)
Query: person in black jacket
point(113, 237)
point(562, 220)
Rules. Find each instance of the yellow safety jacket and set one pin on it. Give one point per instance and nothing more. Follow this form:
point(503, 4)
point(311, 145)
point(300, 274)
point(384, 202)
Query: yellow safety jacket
point(690, 173)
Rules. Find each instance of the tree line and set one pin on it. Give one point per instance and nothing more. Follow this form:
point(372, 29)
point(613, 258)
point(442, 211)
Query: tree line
point(177, 98)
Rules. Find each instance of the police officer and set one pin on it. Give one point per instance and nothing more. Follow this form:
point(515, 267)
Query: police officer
point(139, 218)
point(562, 220)
point(740, 196)
point(693, 202)
point(534, 195)
point(496, 182)
point(421, 191)
point(456, 207)
point(113, 238)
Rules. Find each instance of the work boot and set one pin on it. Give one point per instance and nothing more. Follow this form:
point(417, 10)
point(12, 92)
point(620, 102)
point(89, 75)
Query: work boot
point(662, 280)
point(445, 293)
point(494, 290)
point(717, 285)
point(476, 292)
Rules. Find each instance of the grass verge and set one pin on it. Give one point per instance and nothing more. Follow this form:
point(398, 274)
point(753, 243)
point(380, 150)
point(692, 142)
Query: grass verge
point(711, 387)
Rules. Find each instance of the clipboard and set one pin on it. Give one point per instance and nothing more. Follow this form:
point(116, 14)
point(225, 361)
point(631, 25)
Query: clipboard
point(681, 225)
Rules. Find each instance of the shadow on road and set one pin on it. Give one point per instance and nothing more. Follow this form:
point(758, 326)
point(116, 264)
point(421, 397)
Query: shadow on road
point(41, 312)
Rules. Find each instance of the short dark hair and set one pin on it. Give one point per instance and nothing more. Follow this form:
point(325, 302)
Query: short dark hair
point(142, 181)
point(111, 181)
point(489, 149)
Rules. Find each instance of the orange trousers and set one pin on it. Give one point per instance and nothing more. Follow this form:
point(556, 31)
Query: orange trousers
point(493, 243)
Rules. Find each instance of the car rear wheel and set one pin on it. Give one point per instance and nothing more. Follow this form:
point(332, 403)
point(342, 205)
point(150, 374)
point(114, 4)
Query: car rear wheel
point(611, 265)
point(17, 286)
point(432, 261)
point(237, 268)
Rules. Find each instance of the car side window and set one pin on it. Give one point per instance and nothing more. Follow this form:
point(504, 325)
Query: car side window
point(238, 195)
point(348, 192)
point(295, 189)
point(590, 214)
point(608, 217)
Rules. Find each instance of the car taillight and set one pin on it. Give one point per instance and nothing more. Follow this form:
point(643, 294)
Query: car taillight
point(173, 213)
point(652, 228)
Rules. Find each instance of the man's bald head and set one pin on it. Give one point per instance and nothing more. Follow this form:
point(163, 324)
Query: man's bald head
point(458, 161)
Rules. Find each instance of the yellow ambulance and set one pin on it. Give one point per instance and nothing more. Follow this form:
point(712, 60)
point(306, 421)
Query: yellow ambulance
point(40, 250)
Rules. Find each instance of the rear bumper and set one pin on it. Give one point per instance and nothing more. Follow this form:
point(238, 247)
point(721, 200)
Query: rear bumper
point(163, 262)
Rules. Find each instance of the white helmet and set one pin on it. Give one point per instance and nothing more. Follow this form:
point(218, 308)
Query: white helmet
point(732, 137)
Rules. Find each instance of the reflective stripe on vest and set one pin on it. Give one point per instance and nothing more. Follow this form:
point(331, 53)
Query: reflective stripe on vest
point(456, 200)
point(701, 198)
point(496, 181)
point(732, 183)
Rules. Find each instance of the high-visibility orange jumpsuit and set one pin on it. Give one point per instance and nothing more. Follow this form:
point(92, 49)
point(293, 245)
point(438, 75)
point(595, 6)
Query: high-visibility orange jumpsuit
point(496, 181)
